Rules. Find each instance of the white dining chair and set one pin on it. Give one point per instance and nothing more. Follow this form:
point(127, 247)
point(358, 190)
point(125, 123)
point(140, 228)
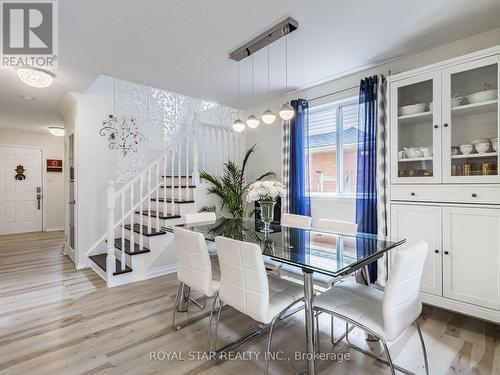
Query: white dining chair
point(194, 267)
point(301, 222)
point(383, 314)
point(246, 286)
point(199, 217)
point(337, 226)
point(296, 221)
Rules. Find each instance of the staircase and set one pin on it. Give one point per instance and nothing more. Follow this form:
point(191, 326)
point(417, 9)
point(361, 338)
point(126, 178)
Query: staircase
point(139, 242)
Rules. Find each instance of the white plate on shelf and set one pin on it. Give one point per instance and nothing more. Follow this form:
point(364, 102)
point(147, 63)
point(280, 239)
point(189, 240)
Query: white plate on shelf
point(482, 96)
point(412, 109)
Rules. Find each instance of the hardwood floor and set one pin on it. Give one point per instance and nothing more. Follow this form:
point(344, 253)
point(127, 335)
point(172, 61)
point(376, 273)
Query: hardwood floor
point(55, 319)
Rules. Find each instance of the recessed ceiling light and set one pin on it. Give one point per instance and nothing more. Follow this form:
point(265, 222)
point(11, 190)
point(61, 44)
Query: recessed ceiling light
point(35, 77)
point(27, 97)
point(58, 131)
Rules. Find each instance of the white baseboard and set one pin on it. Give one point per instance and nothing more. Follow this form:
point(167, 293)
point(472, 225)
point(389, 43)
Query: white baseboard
point(462, 307)
point(160, 271)
point(54, 229)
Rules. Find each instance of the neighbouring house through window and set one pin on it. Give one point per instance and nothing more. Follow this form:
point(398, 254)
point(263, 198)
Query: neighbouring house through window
point(333, 147)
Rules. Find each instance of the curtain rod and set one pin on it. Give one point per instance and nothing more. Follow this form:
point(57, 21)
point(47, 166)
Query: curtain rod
point(340, 91)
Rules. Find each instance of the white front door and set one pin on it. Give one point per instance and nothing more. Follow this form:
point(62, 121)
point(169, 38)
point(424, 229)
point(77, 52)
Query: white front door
point(20, 208)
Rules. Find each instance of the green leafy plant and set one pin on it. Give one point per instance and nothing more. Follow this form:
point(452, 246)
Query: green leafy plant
point(232, 186)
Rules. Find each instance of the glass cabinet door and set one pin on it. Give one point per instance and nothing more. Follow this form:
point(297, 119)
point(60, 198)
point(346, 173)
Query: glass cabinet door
point(470, 122)
point(415, 128)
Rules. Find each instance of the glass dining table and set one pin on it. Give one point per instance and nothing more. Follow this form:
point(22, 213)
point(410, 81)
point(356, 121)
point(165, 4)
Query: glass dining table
point(312, 251)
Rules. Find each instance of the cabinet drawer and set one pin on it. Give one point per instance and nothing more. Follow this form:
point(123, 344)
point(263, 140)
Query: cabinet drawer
point(447, 194)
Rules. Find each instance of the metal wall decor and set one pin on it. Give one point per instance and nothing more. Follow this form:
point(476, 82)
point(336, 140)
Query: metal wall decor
point(123, 133)
point(20, 173)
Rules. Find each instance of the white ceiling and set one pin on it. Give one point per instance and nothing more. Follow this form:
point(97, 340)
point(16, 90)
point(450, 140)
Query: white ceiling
point(183, 45)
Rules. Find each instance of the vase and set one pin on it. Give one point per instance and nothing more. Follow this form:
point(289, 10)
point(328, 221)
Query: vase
point(267, 214)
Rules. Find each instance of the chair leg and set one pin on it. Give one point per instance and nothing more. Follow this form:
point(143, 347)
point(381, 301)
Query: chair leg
point(317, 333)
point(269, 340)
point(210, 322)
point(216, 332)
point(176, 303)
point(332, 328)
point(388, 355)
point(424, 351)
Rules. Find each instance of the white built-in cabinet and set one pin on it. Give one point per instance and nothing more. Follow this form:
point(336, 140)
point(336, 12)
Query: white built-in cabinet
point(435, 113)
point(422, 223)
point(444, 194)
point(463, 262)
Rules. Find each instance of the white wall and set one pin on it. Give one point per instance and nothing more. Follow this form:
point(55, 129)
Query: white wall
point(53, 148)
point(268, 137)
point(95, 164)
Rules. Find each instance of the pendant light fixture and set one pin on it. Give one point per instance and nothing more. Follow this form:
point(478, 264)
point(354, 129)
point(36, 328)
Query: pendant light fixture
point(238, 125)
point(268, 116)
point(252, 121)
point(286, 111)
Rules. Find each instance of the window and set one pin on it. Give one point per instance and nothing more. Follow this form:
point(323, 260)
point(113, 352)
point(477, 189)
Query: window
point(333, 147)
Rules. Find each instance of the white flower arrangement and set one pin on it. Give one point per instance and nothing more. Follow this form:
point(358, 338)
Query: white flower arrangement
point(265, 191)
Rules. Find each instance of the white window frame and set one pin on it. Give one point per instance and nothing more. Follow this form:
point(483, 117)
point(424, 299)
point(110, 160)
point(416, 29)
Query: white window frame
point(339, 192)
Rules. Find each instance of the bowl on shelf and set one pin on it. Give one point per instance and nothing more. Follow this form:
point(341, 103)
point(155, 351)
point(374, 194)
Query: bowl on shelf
point(413, 152)
point(456, 100)
point(426, 151)
point(480, 140)
point(494, 144)
point(412, 109)
point(466, 149)
point(481, 148)
point(482, 96)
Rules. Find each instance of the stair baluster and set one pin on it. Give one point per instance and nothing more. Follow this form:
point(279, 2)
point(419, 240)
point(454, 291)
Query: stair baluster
point(157, 184)
point(186, 194)
point(122, 255)
point(179, 181)
point(141, 213)
point(132, 233)
point(110, 247)
point(148, 190)
point(164, 190)
point(172, 169)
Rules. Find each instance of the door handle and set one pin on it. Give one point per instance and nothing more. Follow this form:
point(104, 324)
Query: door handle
point(39, 199)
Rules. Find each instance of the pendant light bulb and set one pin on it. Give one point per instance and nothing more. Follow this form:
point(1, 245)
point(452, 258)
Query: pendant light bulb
point(252, 121)
point(286, 112)
point(238, 125)
point(268, 117)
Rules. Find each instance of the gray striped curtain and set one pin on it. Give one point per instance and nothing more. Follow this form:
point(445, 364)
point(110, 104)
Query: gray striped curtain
point(382, 172)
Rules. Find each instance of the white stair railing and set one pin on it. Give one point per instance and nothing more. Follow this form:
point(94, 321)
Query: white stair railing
point(134, 195)
point(216, 146)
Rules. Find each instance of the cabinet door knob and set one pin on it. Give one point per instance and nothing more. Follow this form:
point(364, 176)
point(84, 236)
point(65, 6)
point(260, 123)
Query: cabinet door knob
point(446, 253)
point(445, 125)
point(436, 251)
point(412, 194)
point(436, 126)
point(474, 195)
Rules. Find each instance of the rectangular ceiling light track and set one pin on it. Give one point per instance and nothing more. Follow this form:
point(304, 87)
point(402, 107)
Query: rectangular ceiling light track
point(263, 40)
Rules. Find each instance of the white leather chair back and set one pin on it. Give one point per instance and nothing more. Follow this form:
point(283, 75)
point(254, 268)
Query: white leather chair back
point(337, 226)
point(402, 304)
point(243, 283)
point(194, 267)
point(199, 217)
point(296, 221)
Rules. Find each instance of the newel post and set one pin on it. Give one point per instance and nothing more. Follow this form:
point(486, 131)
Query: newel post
point(196, 166)
point(110, 246)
